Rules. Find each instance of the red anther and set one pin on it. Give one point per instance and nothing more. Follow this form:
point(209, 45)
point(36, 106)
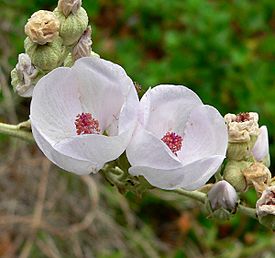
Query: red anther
point(242, 117)
point(86, 124)
point(173, 141)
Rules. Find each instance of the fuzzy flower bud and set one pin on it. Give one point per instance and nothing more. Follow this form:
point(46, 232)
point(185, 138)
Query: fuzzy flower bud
point(69, 6)
point(258, 175)
point(261, 148)
point(233, 173)
point(243, 130)
point(69, 61)
point(46, 57)
point(265, 207)
point(24, 76)
point(42, 27)
point(83, 46)
point(223, 195)
point(73, 26)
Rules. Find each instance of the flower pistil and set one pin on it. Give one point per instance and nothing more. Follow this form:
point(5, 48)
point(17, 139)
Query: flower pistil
point(86, 124)
point(173, 141)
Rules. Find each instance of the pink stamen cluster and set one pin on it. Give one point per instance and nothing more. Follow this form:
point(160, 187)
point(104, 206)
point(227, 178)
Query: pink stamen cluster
point(242, 117)
point(173, 141)
point(86, 124)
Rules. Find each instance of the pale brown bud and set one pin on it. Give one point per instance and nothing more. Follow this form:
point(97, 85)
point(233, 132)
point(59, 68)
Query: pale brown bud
point(42, 27)
point(83, 46)
point(258, 175)
point(69, 6)
point(242, 127)
point(265, 208)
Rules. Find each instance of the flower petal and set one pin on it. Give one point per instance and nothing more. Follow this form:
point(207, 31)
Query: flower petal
point(55, 104)
point(166, 107)
point(98, 149)
point(129, 111)
point(189, 177)
point(205, 135)
point(261, 147)
point(99, 80)
point(147, 150)
point(78, 166)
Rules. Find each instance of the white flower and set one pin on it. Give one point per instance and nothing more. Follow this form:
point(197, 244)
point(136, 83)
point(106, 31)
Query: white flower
point(223, 195)
point(73, 109)
point(179, 142)
point(261, 147)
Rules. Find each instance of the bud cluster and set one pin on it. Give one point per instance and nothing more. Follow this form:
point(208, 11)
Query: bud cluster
point(248, 162)
point(53, 38)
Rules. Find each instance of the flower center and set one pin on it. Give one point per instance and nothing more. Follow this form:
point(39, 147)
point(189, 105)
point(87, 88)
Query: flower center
point(86, 124)
point(173, 141)
point(242, 117)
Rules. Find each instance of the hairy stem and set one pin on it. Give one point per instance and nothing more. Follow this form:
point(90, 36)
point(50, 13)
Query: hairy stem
point(202, 197)
point(17, 131)
point(196, 195)
point(247, 211)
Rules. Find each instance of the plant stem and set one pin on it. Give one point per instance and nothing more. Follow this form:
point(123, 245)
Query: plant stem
point(202, 197)
point(196, 195)
point(247, 211)
point(16, 131)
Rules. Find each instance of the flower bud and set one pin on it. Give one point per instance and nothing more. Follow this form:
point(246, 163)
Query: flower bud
point(24, 76)
point(234, 175)
point(219, 214)
point(258, 175)
point(261, 147)
point(223, 195)
point(69, 61)
point(83, 46)
point(243, 130)
point(42, 27)
point(69, 6)
point(73, 26)
point(239, 151)
point(46, 57)
point(242, 127)
point(265, 208)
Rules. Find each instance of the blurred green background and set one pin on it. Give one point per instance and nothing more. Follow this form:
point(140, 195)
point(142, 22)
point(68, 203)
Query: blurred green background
point(223, 50)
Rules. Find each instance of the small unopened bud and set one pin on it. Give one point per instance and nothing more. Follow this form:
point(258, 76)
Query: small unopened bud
point(46, 57)
point(83, 46)
point(223, 195)
point(258, 175)
point(42, 27)
point(261, 148)
point(265, 208)
point(69, 6)
point(72, 26)
point(24, 76)
point(69, 61)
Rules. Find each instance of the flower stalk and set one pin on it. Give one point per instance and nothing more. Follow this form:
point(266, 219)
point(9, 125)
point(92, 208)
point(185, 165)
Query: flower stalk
point(18, 131)
point(202, 197)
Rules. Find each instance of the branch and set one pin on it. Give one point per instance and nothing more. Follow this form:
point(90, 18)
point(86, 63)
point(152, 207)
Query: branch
point(18, 131)
point(202, 198)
